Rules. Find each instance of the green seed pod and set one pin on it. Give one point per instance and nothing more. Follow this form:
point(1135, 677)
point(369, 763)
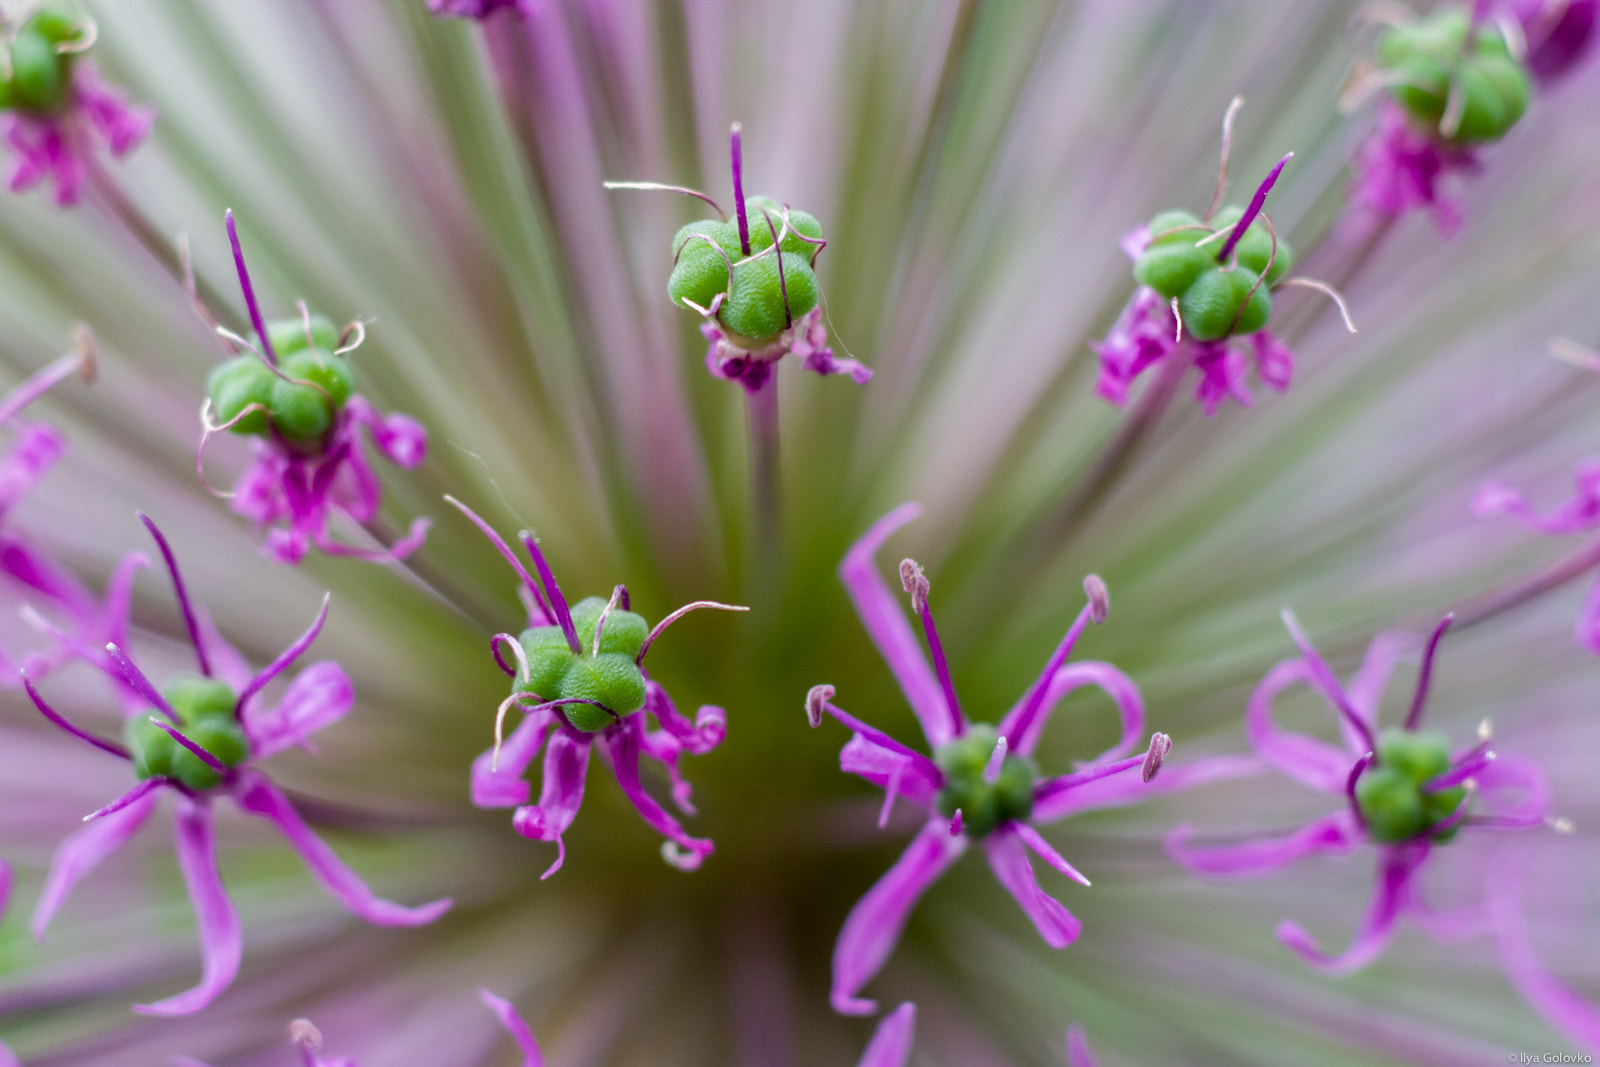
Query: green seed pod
point(755, 309)
point(1430, 59)
point(1256, 299)
point(980, 812)
point(152, 748)
point(223, 738)
point(1210, 306)
point(1255, 248)
point(321, 366)
point(1013, 790)
point(967, 755)
point(800, 223)
point(1437, 807)
point(703, 251)
point(288, 336)
point(1390, 804)
point(59, 23)
point(1496, 93)
point(1188, 229)
point(548, 659)
point(624, 633)
point(1172, 267)
point(1419, 755)
point(195, 697)
point(304, 412)
point(613, 680)
point(39, 76)
point(234, 386)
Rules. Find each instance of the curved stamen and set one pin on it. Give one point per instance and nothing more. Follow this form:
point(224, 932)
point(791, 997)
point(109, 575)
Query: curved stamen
point(207, 428)
point(505, 550)
point(913, 581)
point(680, 613)
point(205, 757)
point(1095, 610)
point(783, 285)
point(1253, 209)
point(558, 603)
point(57, 719)
point(735, 147)
point(189, 618)
point(1222, 166)
point(351, 338)
point(658, 187)
point(1419, 699)
point(1461, 773)
point(494, 647)
point(619, 594)
point(139, 683)
point(1326, 290)
point(249, 292)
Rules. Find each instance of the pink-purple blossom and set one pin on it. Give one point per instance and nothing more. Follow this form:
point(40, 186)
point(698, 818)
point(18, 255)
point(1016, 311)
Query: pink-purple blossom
point(1511, 792)
point(807, 340)
point(319, 696)
point(497, 774)
point(1400, 168)
point(1006, 833)
point(62, 145)
point(1557, 34)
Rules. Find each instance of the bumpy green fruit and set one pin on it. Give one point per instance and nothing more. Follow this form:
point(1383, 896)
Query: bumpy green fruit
point(613, 680)
point(613, 677)
point(1390, 794)
point(800, 224)
point(194, 697)
point(288, 336)
point(756, 309)
point(548, 659)
point(1175, 228)
point(222, 737)
point(1431, 58)
point(1390, 805)
point(1419, 755)
point(1172, 267)
point(703, 251)
point(152, 749)
point(205, 709)
point(234, 386)
point(984, 805)
point(624, 632)
point(39, 76)
point(303, 412)
point(1255, 248)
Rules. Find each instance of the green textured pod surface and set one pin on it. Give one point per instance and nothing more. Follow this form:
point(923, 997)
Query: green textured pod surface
point(1256, 249)
point(1430, 59)
point(1390, 804)
point(1496, 92)
point(195, 697)
point(1210, 306)
point(288, 336)
point(548, 659)
point(984, 806)
point(613, 680)
point(322, 367)
point(624, 632)
point(152, 748)
point(1436, 807)
point(1172, 267)
point(234, 386)
point(702, 252)
point(755, 309)
point(222, 737)
point(38, 74)
point(801, 224)
point(1419, 755)
point(1253, 295)
point(1176, 227)
point(303, 412)
point(59, 22)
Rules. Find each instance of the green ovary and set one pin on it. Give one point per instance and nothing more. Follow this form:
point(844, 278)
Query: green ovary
point(610, 677)
point(205, 709)
point(984, 806)
point(1389, 793)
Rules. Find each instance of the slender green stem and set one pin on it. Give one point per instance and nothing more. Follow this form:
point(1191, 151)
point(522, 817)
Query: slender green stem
point(764, 474)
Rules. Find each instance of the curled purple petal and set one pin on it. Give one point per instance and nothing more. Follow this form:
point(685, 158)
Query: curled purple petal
point(500, 784)
point(1396, 866)
point(258, 796)
point(623, 741)
point(1306, 759)
point(82, 851)
point(708, 730)
point(1334, 834)
point(566, 762)
point(891, 1041)
point(515, 1026)
point(873, 927)
point(221, 938)
point(1117, 685)
point(1009, 861)
point(880, 614)
point(402, 439)
point(320, 695)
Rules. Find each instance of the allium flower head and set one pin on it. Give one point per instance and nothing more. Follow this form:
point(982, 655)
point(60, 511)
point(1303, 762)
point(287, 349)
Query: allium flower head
point(198, 738)
point(293, 393)
point(58, 113)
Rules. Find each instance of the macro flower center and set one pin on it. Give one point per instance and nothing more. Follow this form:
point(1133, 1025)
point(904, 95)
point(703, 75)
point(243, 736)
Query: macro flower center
point(987, 796)
point(1392, 792)
point(205, 710)
point(606, 673)
point(299, 397)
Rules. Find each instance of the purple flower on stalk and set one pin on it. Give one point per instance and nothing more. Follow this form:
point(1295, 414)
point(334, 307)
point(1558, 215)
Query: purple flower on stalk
point(1403, 792)
point(981, 783)
point(1400, 169)
point(294, 395)
point(578, 675)
point(1580, 514)
point(197, 739)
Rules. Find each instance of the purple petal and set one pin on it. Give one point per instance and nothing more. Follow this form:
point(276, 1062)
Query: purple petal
point(886, 625)
point(37, 448)
point(1360, 720)
point(5, 887)
point(1008, 859)
point(891, 1041)
point(531, 1057)
point(7, 1058)
point(402, 439)
point(873, 927)
point(880, 766)
point(1335, 834)
point(1395, 870)
point(1130, 705)
point(623, 742)
point(566, 761)
point(502, 785)
point(1564, 1009)
point(1514, 788)
point(1587, 628)
point(320, 696)
point(258, 796)
point(1047, 852)
point(221, 939)
point(1052, 801)
point(1577, 515)
point(1079, 1054)
point(81, 852)
point(707, 731)
point(1306, 759)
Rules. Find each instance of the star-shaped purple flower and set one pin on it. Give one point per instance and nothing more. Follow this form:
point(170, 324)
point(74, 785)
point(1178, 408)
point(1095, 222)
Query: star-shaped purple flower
point(1403, 793)
point(981, 783)
point(198, 739)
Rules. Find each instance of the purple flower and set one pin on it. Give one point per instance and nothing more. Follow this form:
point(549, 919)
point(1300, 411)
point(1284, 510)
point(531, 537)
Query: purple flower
point(1079, 1054)
point(1403, 792)
point(579, 677)
point(301, 476)
point(981, 783)
point(205, 735)
point(1578, 515)
point(1558, 34)
point(891, 1041)
point(1401, 168)
point(60, 114)
point(807, 340)
point(475, 9)
point(515, 1026)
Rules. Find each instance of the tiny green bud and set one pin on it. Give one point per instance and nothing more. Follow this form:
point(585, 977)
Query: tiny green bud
point(303, 412)
point(703, 251)
point(151, 747)
point(195, 698)
point(624, 631)
point(1175, 228)
point(1437, 807)
point(288, 336)
point(223, 738)
point(800, 223)
point(755, 309)
point(59, 23)
point(1209, 306)
point(1419, 755)
point(548, 660)
point(613, 680)
point(1171, 267)
point(234, 386)
point(38, 74)
point(1255, 248)
point(984, 805)
point(1390, 804)
point(1441, 58)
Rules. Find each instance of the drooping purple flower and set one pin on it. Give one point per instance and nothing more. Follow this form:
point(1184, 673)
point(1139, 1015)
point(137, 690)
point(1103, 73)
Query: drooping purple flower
point(62, 144)
point(1578, 515)
point(981, 783)
point(197, 739)
point(1400, 168)
point(1557, 34)
point(579, 678)
point(1402, 791)
point(475, 9)
point(304, 471)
